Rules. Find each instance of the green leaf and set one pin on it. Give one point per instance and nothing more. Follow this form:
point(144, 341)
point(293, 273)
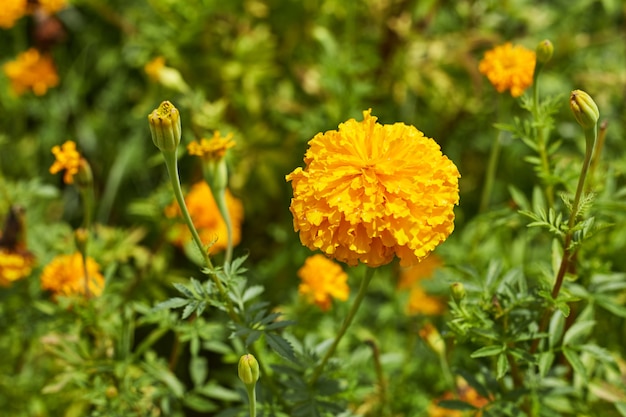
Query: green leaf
point(557, 325)
point(198, 370)
point(281, 346)
point(546, 359)
point(574, 360)
point(608, 304)
point(189, 309)
point(212, 390)
point(199, 403)
point(502, 366)
point(621, 408)
point(183, 290)
point(175, 302)
point(488, 351)
point(252, 292)
point(456, 405)
point(579, 330)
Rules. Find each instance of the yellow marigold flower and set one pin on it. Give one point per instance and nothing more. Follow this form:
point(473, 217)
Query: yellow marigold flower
point(31, 70)
point(14, 266)
point(52, 6)
point(154, 67)
point(65, 275)
point(68, 159)
point(370, 192)
point(212, 149)
point(322, 280)
point(207, 218)
point(11, 11)
point(509, 67)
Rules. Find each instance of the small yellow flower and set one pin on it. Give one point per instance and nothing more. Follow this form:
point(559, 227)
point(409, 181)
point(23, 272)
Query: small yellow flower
point(65, 275)
point(154, 67)
point(212, 149)
point(164, 75)
point(509, 67)
point(14, 266)
point(207, 218)
point(371, 192)
point(31, 71)
point(11, 11)
point(323, 280)
point(68, 159)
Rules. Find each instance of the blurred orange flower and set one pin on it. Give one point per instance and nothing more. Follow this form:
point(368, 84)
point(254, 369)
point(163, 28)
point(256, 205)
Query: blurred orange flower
point(323, 280)
point(466, 394)
point(371, 192)
point(509, 67)
point(65, 275)
point(14, 266)
point(68, 159)
point(420, 302)
point(11, 11)
point(52, 6)
point(207, 218)
point(31, 71)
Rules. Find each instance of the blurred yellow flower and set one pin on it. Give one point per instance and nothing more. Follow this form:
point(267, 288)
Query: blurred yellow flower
point(207, 218)
point(52, 6)
point(509, 67)
point(212, 149)
point(11, 11)
point(31, 71)
point(154, 67)
point(466, 394)
point(68, 159)
point(14, 266)
point(167, 76)
point(370, 192)
point(420, 302)
point(322, 280)
point(65, 275)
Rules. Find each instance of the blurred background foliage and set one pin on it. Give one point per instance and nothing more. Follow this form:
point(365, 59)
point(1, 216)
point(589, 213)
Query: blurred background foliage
point(275, 73)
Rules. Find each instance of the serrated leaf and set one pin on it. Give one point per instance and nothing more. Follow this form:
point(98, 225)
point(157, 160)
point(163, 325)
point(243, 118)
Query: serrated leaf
point(252, 292)
point(280, 324)
point(175, 302)
point(281, 346)
point(197, 286)
point(252, 337)
point(198, 370)
point(502, 366)
point(578, 331)
point(488, 351)
point(574, 360)
point(519, 198)
point(183, 290)
point(189, 309)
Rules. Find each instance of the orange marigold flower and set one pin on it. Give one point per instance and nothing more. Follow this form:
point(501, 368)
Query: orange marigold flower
point(509, 67)
point(322, 280)
point(370, 192)
point(466, 394)
point(212, 149)
point(420, 302)
point(65, 275)
point(14, 266)
point(31, 70)
point(11, 11)
point(68, 159)
point(207, 218)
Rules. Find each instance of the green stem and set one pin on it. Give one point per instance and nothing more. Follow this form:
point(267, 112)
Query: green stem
point(171, 162)
point(567, 252)
point(252, 399)
point(491, 173)
point(220, 200)
point(369, 273)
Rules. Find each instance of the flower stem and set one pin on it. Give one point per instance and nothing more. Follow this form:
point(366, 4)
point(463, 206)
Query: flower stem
point(567, 252)
point(171, 163)
point(252, 399)
point(491, 173)
point(369, 273)
point(220, 200)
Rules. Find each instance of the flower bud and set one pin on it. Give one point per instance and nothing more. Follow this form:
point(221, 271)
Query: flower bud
point(433, 339)
point(584, 108)
point(544, 51)
point(248, 369)
point(84, 175)
point(165, 127)
point(458, 291)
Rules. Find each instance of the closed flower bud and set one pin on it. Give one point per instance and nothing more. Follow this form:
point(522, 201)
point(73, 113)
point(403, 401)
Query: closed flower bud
point(248, 369)
point(431, 336)
point(544, 51)
point(165, 127)
point(458, 291)
point(584, 108)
